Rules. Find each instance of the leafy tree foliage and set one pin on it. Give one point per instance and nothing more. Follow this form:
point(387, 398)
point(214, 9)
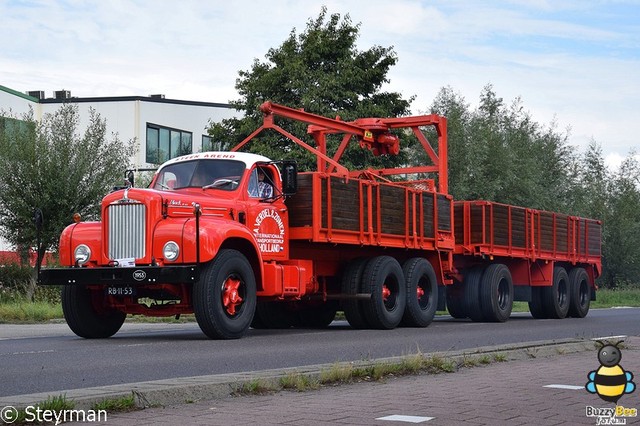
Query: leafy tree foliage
point(622, 226)
point(499, 153)
point(49, 165)
point(321, 71)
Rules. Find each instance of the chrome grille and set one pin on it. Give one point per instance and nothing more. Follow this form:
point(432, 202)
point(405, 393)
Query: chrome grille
point(127, 231)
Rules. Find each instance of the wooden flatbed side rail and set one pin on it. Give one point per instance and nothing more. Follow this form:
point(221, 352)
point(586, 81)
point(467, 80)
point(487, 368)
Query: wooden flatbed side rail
point(494, 229)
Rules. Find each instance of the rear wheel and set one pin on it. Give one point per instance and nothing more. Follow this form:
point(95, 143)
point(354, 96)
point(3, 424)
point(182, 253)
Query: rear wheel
point(384, 280)
point(579, 293)
point(84, 318)
point(351, 283)
point(472, 281)
point(422, 293)
point(455, 300)
point(535, 304)
point(555, 298)
point(224, 299)
point(496, 293)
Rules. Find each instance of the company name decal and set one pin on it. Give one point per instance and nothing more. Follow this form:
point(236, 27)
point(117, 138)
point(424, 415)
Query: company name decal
point(269, 231)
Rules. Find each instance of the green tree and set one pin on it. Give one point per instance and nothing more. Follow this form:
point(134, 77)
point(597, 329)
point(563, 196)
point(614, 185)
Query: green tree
point(49, 165)
point(498, 152)
point(621, 260)
point(321, 71)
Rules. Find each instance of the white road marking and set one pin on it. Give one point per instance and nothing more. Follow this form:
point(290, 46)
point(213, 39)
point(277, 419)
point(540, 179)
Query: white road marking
point(28, 352)
point(406, 419)
point(570, 387)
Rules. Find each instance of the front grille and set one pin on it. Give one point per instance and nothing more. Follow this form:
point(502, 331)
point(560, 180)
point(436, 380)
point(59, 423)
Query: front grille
point(127, 231)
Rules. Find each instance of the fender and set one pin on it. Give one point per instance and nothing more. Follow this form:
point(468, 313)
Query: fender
point(88, 233)
point(213, 233)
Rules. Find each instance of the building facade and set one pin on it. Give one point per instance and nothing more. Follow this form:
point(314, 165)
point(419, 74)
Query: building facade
point(158, 128)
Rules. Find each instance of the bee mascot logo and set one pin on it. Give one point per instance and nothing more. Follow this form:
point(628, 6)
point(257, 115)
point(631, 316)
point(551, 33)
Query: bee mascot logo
point(610, 381)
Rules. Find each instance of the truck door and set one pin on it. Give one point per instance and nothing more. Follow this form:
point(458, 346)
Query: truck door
point(267, 214)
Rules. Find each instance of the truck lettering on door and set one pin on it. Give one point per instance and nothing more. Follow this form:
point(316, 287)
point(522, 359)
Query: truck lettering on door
point(269, 231)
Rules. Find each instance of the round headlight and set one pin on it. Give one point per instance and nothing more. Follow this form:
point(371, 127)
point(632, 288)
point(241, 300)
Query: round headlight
point(171, 251)
point(82, 254)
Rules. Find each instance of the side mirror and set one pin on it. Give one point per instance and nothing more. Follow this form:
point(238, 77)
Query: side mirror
point(289, 178)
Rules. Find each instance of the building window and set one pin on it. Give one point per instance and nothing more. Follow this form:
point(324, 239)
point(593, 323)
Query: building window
point(164, 143)
point(207, 143)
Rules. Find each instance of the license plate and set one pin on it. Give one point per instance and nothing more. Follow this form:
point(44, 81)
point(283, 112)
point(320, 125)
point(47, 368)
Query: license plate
point(120, 291)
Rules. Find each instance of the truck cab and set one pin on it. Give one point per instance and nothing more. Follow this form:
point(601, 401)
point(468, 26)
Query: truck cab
point(153, 244)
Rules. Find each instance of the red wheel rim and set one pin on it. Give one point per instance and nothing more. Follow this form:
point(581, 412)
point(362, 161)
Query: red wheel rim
point(231, 299)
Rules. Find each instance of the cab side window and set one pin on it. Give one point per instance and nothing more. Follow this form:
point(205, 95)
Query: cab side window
point(260, 183)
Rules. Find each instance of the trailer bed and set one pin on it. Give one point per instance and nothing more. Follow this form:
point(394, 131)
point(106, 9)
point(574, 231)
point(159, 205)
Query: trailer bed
point(492, 229)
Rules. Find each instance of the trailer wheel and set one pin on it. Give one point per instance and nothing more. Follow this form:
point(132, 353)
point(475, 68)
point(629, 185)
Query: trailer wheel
point(555, 298)
point(472, 305)
point(455, 300)
point(422, 293)
point(496, 293)
point(351, 283)
point(84, 319)
point(224, 299)
point(579, 293)
point(384, 280)
point(535, 304)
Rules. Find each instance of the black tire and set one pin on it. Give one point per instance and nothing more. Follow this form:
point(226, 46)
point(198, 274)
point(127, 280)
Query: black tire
point(422, 293)
point(535, 304)
point(555, 298)
point(224, 299)
point(579, 293)
point(317, 316)
point(351, 283)
point(384, 280)
point(496, 293)
point(472, 304)
point(275, 315)
point(83, 318)
point(455, 300)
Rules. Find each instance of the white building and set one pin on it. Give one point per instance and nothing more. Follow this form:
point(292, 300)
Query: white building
point(159, 128)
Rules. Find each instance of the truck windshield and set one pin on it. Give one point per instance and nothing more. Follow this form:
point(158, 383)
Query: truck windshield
point(218, 174)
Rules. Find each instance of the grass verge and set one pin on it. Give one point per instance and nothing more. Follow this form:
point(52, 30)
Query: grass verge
point(343, 373)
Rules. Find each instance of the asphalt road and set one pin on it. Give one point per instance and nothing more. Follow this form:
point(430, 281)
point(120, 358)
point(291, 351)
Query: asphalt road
point(50, 358)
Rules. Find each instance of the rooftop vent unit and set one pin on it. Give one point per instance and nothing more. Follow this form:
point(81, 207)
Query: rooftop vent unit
point(62, 94)
point(39, 94)
point(157, 96)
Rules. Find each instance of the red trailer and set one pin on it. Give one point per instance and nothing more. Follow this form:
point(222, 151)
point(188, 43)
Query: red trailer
point(202, 239)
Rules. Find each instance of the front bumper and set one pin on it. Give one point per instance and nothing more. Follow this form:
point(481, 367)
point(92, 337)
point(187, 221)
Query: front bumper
point(114, 276)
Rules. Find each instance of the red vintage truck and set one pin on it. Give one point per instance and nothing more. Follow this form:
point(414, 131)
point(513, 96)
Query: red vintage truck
point(242, 241)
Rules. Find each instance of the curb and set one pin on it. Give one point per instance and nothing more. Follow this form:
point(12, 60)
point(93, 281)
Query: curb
point(190, 389)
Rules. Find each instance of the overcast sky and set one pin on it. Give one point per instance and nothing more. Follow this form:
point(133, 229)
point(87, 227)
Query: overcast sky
point(573, 61)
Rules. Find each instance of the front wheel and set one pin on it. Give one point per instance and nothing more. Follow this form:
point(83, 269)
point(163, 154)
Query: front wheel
point(80, 309)
point(224, 299)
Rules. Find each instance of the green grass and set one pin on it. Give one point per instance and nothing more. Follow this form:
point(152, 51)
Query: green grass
point(53, 403)
point(23, 311)
point(619, 297)
point(125, 403)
